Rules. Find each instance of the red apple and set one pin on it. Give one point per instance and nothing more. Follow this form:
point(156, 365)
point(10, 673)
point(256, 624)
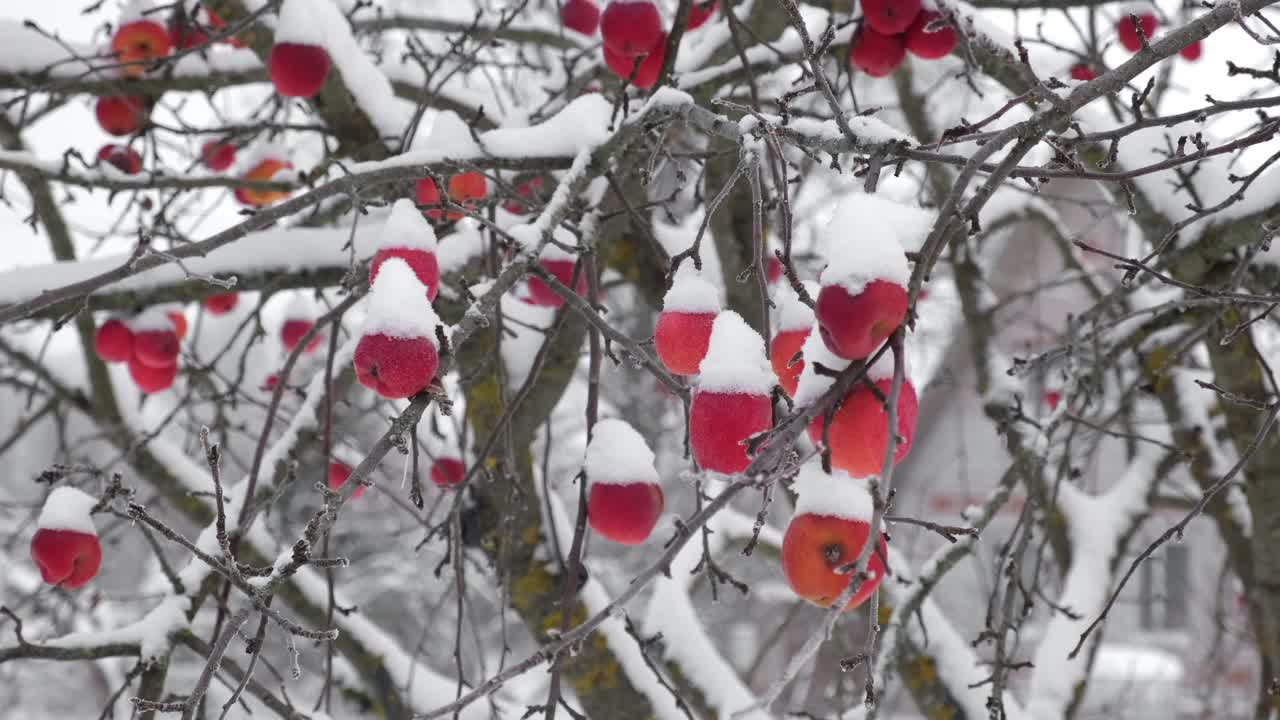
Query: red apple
point(719, 425)
point(338, 474)
point(701, 12)
point(681, 340)
point(1081, 71)
point(853, 326)
point(186, 35)
point(1128, 35)
point(113, 342)
point(264, 171)
point(423, 263)
point(581, 16)
point(624, 513)
point(889, 17)
point(786, 344)
point(650, 66)
point(630, 27)
point(1191, 52)
point(773, 269)
point(527, 190)
point(395, 367)
point(448, 472)
point(562, 270)
point(150, 379)
point(121, 114)
point(298, 70)
point(859, 431)
point(217, 24)
point(875, 54)
point(179, 324)
point(218, 156)
point(125, 159)
point(222, 303)
point(930, 45)
point(816, 545)
point(139, 42)
point(465, 189)
point(291, 333)
point(66, 558)
point(269, 382)
point(156, 348)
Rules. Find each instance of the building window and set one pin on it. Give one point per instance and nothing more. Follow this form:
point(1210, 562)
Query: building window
point(1164, 589)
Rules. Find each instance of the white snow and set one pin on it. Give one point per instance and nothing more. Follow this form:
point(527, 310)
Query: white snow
point(296, 24)
point(398, 304)
point(67, 508)
point(152, 319)
point(457, 248)
point(834, 495)
point(691, 293)
point(452, 136)
point(863, 244)
point(406, 227)
point(618, 455)
point(793, 314)
point(582, 124)
point(555, 252)
point(811, 386)
point(736, 361)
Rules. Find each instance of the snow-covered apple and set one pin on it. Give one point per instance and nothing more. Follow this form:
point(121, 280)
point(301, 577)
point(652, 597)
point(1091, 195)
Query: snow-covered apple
point(65, 545)
point(156, 347)
point(630, 28)
point(625, 499)
point(397, 355)
point(732, 400)
point(298, 69)
point(559, 263)
point(854, 324)
point(408, 236)
point(926, 44)
point(859, 430)
point(683, 331)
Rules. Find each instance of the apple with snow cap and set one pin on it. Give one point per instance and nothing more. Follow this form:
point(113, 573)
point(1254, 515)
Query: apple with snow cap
point(222, 303)
point(864, 285)
point(339, 472)
point(580, 16)
point(397, 355)
point(559, 262)
point(625, 499)
point(795, 320)
point(408, 236)
point(889, 17)
point(113, 341)
point(155, 339)
point(927, 43)
point(876, 54)
point(65, 546)
point(299, 64)
point(859, 429)
point(630, 28)
point(828, 532)
point(732, 400)
point(121, 114)
point(448, 472)
point(684, 326)
point(1127, 34)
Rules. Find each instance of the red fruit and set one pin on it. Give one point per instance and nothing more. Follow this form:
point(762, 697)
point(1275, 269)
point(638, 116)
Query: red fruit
point(1128, 35)
point(218, 24)
point(218, 156)
point(930, 45)
point(447, 472)
point(1191, 52)
point(859, 431)
point(423, 264)
point(269, 382)
point(562, 270)
point(785, 345)
point(631, 27)
point(772, 269)
point(816, 545)
point(66, 558)
point(125, 159)
point(701, 12)
point(719, 425)
point(179, 324)
point(156, 348)
point(263, 171)
point(291, 333)
point(527, 190)
point(121, 114)
point(1052, 398)
point(186, 35)
point(338, 474)
point(647, 74)
point(625, 514)
point(222, 303)
point(465, 189)
point(151, 379)
point(113, 342)
point(137, 43)
point(682, 339)
point(1080, 71)
point(853, 326)
point(889, 17)
point(581, 16)
point(875, 54)
point(298, 70)
point(395, 367)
